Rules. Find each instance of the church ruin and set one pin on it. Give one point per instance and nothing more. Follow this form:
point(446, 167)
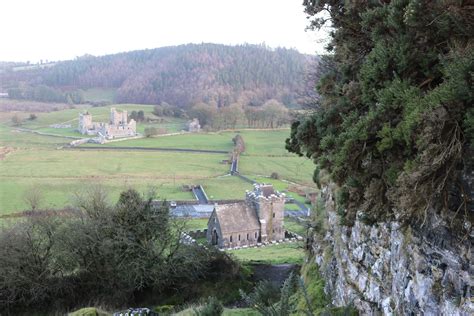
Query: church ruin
point(193, 126)
point(257, 220)
point(118, 125)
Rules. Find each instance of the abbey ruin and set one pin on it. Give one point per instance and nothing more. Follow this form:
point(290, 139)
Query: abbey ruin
point(118, 125)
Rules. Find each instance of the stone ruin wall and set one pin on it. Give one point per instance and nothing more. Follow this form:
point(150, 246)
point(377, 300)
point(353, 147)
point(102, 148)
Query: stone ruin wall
point(118, 125)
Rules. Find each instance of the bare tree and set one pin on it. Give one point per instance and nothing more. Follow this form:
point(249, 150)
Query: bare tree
point(33, 196)
point(16, 120)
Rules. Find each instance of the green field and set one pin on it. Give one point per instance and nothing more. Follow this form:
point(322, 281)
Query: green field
point(274, 254)
point(294, 226)
point(37, 160)
point(208, 141)
point(99, 114)
point(196, 223)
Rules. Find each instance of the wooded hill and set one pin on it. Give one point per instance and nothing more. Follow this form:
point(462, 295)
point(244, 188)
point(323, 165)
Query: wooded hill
point(180, 75)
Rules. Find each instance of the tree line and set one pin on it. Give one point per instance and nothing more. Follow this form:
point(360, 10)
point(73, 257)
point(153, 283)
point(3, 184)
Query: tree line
point(272, 114)
point(43, 93)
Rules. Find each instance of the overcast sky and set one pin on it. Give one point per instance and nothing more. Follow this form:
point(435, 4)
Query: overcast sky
point(31, 30)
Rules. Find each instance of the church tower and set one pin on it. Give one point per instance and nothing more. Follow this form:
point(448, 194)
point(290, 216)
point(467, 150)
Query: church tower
point(270, 207)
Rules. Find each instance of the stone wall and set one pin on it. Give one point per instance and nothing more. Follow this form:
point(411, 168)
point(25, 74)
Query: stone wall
point(388, 269)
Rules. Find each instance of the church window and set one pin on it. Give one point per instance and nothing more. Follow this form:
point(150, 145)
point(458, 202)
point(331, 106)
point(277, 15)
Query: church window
point(273, 215)
point(230, 238)
point(239, 237)
point(255, 235)
point(247, 236)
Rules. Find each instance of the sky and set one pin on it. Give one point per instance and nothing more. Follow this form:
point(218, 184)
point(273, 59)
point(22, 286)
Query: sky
point(34, 30)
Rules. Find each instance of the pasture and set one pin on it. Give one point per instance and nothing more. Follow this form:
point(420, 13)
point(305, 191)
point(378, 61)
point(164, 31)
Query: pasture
point(36, 160)
point(290, 253)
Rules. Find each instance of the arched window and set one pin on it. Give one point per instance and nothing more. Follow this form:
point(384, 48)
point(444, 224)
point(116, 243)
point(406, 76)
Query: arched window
point(230, 238)
point(247, 236)
point(273, 215)
point(239, 237)
point(255, 235)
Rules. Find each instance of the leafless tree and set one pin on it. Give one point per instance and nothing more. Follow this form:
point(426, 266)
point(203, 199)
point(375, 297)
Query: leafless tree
point(33, 196)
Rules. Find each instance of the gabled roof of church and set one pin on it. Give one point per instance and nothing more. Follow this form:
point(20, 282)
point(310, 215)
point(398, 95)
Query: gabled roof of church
point(236, 217)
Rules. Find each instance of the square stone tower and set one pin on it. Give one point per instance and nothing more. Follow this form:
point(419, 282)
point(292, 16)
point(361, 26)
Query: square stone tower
point(270, 207)
point(118, 118)
point(85, 122)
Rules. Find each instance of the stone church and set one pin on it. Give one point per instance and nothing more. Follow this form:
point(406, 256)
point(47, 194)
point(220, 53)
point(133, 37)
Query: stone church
point(257, 220)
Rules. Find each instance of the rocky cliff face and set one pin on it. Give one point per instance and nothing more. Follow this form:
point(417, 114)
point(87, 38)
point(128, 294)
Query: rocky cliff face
point(388, 269)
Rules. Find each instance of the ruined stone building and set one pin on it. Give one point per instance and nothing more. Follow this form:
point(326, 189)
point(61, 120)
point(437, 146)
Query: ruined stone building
point(193, 126)
point(257, 220)
point(118, 125)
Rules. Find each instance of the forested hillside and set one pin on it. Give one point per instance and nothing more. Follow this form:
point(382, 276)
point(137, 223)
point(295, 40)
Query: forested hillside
point(181, 75)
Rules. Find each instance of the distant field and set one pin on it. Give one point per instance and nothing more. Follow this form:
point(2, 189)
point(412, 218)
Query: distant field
point(265, 143)
point(296, 169)
point(61, 172)
point(99, 114)
point(211, 141)
point(35, 159)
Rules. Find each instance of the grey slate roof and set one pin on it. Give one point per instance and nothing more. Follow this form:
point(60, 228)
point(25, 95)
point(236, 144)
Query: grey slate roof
point(237, 217)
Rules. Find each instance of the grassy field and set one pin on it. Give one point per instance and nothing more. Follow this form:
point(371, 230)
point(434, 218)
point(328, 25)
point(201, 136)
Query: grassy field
point(208, 141)
point(294, 226)
point(274, 254)
point(36, 160)
point(196, 223)
point(61, 173)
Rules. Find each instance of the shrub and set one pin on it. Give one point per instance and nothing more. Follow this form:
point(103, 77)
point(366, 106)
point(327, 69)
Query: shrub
point(387, 101)
point(151, 131)
point(213, 307)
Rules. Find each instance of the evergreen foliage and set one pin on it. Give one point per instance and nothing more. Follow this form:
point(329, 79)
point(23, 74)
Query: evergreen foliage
point(395, 120)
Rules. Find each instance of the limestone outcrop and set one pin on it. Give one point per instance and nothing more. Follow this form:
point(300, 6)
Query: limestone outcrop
point(388, 269)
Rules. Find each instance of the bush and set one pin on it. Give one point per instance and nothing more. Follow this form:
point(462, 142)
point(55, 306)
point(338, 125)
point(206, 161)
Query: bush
point(213, 307)
point(16, 120)
point(151, 131)
point(388, 100)
point(89, 311)
point(100, 252)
